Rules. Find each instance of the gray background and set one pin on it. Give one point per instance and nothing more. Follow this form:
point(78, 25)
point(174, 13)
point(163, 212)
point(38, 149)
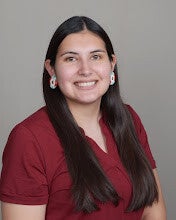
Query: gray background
point(144, 37)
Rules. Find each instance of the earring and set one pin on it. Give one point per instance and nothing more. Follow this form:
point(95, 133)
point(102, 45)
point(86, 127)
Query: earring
point(53, 82)
point(112, 78)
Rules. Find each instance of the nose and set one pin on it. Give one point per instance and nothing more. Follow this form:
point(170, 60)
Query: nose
point(85, 68)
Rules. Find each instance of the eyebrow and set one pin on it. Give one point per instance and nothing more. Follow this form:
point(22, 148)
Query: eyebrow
point(68, 52)
point(75, 53)
point(98, 51)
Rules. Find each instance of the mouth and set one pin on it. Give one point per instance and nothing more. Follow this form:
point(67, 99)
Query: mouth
point(85, 84)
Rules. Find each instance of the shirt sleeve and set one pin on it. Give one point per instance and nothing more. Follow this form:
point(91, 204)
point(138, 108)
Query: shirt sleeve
point(142, 135)
point(23, 179)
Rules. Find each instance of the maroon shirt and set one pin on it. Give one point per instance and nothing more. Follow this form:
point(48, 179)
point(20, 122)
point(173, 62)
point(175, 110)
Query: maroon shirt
point(34, 170)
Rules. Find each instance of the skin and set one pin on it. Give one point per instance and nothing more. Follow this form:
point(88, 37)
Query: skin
point(82, 69)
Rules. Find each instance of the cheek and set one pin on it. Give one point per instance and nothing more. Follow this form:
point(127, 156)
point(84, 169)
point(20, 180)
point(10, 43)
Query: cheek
point(64, 74)
point(104, 71)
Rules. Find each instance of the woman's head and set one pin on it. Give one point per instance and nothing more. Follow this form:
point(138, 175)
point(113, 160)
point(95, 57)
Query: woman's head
point(82, 68)
point(73, 25)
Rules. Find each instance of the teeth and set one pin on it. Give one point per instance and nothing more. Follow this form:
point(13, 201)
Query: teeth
point(84, 84)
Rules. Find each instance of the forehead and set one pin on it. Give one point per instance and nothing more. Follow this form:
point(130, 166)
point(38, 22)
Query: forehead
point(84, 40)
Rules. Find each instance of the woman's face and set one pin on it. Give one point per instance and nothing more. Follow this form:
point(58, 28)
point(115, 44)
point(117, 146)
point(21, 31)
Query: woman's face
point(82, 68)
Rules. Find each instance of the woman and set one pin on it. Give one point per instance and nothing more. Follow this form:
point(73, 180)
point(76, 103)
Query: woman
point(85, 155)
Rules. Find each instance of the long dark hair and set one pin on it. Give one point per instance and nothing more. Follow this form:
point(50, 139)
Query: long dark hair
point(89, 181)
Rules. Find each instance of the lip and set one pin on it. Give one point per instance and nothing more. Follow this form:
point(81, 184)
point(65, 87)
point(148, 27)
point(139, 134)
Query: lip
point(85, 84)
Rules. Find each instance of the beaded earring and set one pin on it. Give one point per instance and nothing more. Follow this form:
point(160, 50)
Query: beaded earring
point(112, 78)
point(53, 82)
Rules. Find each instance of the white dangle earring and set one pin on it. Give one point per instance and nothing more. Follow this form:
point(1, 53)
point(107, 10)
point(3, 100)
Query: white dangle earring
point(112, 78)
point(53, 82)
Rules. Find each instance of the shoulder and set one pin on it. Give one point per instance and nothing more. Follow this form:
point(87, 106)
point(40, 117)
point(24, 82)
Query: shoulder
point(135, 118)
point(24, 134)
point(37, 119)
point(138, 125)
point(35, 132)
point(133, 113)
point(34, 125)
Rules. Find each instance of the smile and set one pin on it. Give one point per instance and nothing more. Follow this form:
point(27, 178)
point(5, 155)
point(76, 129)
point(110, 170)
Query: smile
point(85, 84)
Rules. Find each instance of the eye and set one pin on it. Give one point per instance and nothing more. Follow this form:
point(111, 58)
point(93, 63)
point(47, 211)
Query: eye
point(96, 57)
point(70, 59)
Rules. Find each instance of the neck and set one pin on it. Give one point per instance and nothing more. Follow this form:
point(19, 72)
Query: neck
point(85, 115)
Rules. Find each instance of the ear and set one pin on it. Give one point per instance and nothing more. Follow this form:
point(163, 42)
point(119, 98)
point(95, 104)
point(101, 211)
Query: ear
point(114, 61)
point(49, 68)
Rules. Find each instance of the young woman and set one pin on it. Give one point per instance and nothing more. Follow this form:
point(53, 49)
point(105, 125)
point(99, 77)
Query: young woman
point(85, 155)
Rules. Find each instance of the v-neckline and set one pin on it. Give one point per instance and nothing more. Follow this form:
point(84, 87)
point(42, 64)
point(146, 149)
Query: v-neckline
point(107, 137)
point(111, 157)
